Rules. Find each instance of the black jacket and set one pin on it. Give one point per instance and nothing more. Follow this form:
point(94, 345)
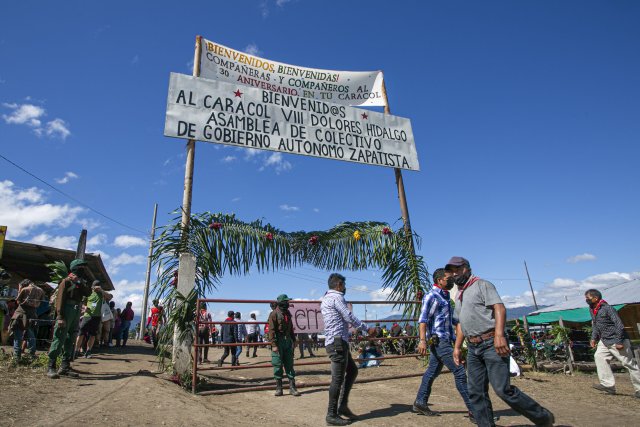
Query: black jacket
point(229, 331)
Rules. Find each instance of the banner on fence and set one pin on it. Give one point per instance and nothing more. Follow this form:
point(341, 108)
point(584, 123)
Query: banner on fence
point(307, 317)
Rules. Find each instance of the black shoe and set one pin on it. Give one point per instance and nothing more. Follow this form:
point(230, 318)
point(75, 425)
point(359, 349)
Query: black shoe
point(423, 409)
point(608, 390)
point(278, 388)
point(335, 420)
point(51, 372)
point(220, 363)
point(549, 421)
point(346, 412)
point(473, 420)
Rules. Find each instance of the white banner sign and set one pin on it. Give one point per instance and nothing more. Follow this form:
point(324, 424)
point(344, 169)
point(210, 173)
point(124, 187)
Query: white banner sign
point(219, 62)
point(224, 113)
point(307, 317)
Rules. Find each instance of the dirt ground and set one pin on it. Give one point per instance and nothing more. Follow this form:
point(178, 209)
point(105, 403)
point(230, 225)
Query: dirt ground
point(123, 388)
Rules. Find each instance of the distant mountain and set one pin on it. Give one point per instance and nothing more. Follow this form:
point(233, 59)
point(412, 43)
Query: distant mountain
point(518, 312)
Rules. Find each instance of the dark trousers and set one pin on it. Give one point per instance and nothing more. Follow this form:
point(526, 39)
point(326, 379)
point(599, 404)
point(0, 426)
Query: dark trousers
point(203, 338)
point(442, 355)
point(343, 374)
point(301, 345)
point(232, 350)
point(252, 338)
point(485, 366)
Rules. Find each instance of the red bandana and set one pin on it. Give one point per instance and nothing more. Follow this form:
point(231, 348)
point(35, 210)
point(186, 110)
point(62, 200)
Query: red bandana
point(469, 283)
point(597, 307)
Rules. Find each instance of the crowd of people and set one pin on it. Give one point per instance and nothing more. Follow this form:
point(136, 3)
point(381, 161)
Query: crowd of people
point(84, 319)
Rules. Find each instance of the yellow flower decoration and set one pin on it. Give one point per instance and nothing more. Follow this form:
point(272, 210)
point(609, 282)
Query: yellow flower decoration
point(356, 235)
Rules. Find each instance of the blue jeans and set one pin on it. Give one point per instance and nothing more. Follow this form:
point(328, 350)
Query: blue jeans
point(442, 355)
point(238, 352)
point(124, 331)
point(485, 366)
point(18, 334)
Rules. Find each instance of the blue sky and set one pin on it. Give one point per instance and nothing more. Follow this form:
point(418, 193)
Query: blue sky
point(525, 117)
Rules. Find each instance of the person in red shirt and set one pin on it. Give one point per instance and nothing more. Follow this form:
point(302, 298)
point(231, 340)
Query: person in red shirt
point(127, 317)
point(155, 319)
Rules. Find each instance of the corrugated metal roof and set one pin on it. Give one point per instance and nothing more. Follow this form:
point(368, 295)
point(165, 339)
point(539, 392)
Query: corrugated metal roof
point(624, 293)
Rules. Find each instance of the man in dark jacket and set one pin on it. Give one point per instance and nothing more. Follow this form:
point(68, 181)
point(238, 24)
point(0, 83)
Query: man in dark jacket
point(611, 342)
point(282, 337)
point(69, 296)
point(229, 335)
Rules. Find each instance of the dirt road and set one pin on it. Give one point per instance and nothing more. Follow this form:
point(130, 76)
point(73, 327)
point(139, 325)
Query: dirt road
point(123, 388)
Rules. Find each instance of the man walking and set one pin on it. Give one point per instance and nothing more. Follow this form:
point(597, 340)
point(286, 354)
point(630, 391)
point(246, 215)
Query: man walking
point(29, 298)
point(281, 337)
point(436, 333)
point(155, 320)
point(611, 342)
point(253, 332)
point(229, 335)
point(69, 296)
point(92, 318)
point(242, 336)
point(304, 341)
point(482, 318)
point(337, 318)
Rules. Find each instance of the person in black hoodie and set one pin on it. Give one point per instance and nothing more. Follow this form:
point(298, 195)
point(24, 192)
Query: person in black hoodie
point(228, 335)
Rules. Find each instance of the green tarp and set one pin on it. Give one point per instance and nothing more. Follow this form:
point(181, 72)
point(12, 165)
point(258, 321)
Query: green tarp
point(577, 315)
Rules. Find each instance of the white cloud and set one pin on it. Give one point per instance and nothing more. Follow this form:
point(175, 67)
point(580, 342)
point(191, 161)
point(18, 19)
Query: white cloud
point(316, 210)
point(25, 114)
point(380, 294)
point(126, 241)
point(563, 288)
point(252, 49)
point(22, 210)
point(580, 258)
point(61, 242)
point(228, 159)
point(135, 59)
point(56, 127)
point(276, 161)
point(68, 176)
point(288, 208)
point(97, 240)
point(31, 115)
point(124, 259)
point(235, 199)
point(126, 291)
point(281, 3)
point(105, 256)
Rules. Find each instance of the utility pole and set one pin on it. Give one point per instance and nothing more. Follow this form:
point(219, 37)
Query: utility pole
point(530, 286)
point(145, 297)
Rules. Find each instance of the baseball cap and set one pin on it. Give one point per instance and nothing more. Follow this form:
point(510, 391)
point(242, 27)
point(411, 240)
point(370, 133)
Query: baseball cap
point(456, 261)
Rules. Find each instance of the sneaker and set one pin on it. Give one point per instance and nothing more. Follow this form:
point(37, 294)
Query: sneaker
point(423, 409)
point(88, 355)
point(608, 390)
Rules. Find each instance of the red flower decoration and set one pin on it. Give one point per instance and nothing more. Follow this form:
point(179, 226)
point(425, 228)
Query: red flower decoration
point(215, 225)
point(313, 240)
point(386, 231)
point(269, 236)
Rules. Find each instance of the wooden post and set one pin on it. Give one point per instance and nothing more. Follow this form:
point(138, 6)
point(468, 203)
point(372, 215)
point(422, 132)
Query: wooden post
point(191, 153)
point(533, 294)
point(570, 352)
point(525, 323)
point(145, 297)
point(404, 208)
point(82, 245)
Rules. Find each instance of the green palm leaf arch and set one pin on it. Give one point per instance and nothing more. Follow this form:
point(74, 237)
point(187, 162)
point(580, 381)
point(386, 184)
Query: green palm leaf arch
point(223, 244)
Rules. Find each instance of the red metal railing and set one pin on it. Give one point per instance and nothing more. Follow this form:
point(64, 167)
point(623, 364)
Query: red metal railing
point(197, 346)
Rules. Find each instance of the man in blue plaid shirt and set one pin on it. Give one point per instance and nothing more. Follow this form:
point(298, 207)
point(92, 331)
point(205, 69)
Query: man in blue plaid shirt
point(436, 333)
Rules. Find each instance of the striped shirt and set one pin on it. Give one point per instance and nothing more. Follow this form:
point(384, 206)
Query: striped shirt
point(607, 326)
point(437, 314)
point(337, 317)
